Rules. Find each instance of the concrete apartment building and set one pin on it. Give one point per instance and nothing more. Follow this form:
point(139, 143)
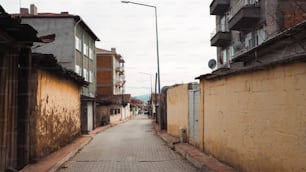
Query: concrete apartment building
point(242, 25)
point(74, 48)
point(110, 72)
point(111, 86)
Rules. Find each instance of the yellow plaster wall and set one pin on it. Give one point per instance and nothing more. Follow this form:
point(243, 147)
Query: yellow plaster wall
point(257, 121)
point(177, 109)
point(57, 113)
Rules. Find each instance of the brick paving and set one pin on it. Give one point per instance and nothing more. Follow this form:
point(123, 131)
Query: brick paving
point(132, 146)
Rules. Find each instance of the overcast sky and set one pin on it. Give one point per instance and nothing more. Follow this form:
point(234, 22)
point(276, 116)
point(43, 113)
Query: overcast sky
point(184, 35)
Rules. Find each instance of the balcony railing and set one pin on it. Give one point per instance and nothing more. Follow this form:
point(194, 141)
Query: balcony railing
point(120, 70)
point(120, 82)
point(221, 36)
point(244, 15)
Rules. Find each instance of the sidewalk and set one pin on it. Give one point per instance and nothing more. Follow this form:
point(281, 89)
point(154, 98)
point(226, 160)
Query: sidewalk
point(198, 158)
point(52, 162)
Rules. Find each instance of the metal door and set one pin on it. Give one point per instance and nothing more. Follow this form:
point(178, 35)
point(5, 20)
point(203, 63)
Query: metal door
point(194, 100)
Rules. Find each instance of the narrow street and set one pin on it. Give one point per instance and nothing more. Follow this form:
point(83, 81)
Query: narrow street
point(131, 146)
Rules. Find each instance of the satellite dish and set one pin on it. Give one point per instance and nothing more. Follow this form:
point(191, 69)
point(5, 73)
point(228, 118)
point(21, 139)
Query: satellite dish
point(212, 63)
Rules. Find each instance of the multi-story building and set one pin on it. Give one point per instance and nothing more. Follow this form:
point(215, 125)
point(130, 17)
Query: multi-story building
point(110, 72)
point(111, 85)
point(242, 25)
point(74, 48)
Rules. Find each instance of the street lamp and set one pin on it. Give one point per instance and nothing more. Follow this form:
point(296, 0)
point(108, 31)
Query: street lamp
point(156, 29)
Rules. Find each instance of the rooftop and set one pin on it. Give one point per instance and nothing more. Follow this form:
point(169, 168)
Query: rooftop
point(58, 15)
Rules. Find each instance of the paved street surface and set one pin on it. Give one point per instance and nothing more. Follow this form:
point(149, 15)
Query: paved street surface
point(132, 146)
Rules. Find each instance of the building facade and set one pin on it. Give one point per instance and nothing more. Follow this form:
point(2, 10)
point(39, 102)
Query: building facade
point(110, 72)
point(111, 87)
point(242, 25)
point(74, 48)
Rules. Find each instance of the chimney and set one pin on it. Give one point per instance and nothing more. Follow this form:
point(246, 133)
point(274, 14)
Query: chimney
point(24, 11)
point(113, 50)
point(33, 9)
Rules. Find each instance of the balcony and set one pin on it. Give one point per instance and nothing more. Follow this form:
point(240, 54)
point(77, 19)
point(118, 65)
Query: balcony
point(221, 37)
point(219, 7)
point(120, 70)
point(120, 83)
point(245, 15)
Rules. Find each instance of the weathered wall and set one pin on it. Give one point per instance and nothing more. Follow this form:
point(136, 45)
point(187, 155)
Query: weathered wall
point(257, 121)
point(102, 116)
point(56, 115)
point(115, 118)
point(177, 109)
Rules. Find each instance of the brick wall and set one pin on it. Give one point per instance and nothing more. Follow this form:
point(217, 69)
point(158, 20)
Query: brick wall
point(104, 74)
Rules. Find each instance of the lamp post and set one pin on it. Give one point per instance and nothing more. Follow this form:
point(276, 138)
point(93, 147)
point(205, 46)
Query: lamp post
point(156, 31)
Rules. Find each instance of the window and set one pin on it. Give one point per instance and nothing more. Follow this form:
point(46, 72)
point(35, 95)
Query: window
point(224, 56)
point(78, 43)
point(90, 76)
point(224, 24)
point(248, 41)
point(85, 74)
point(260, 36)
point(78, 69)
point(85, 49)
point(91, 53)
point(230, 53)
